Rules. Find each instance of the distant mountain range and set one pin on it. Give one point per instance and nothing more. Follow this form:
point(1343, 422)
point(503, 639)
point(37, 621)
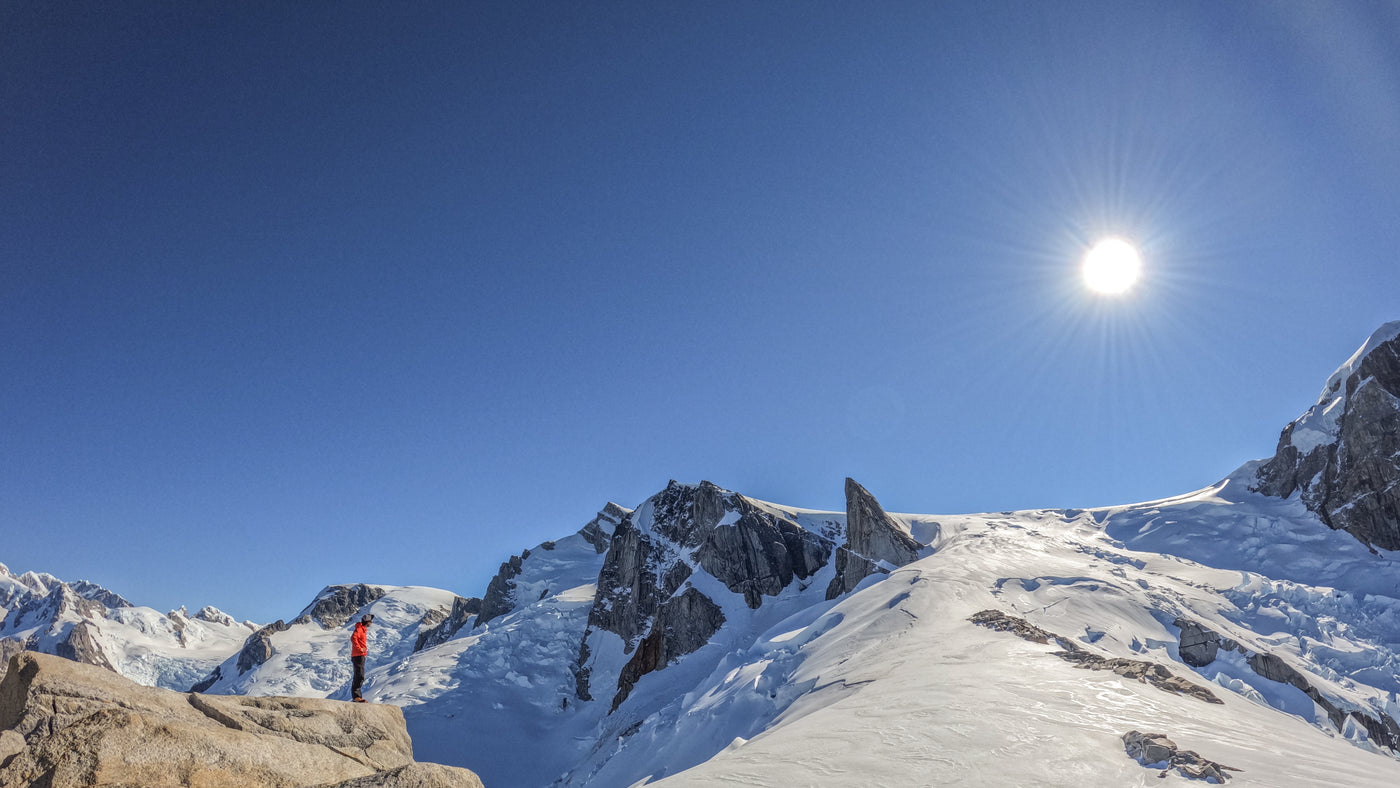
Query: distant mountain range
point(1248, 632)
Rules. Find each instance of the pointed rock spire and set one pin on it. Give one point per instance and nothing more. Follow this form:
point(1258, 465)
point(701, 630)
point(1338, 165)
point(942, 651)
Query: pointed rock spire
point(873, 539)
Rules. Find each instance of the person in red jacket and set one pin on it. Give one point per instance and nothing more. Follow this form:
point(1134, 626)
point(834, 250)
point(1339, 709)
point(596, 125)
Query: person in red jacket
point(359, 648)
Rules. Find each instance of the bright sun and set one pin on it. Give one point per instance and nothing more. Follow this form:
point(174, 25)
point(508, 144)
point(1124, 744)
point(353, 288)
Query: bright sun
point(1111, 266)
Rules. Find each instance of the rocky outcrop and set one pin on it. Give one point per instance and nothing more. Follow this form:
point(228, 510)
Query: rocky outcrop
point(336, 604)
point(873, 541)
point(78, 725)
point(1155, 750)
point(447, 624)
point(258, 647)
point(600, 529)
point(1200, 646)
point(500, 592)
point(1137, 669)
point(1342, 457)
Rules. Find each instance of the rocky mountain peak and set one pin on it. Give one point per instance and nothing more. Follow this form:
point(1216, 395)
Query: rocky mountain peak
point(1342, 457)
point(213, 615)
point(336, 604)
point(644, 595)
point(97, 593)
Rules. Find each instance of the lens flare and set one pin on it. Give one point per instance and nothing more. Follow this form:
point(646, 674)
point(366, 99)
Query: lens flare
point(1112, 266)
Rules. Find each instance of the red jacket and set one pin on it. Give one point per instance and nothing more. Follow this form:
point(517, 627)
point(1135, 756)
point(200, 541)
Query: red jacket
point(359, 641)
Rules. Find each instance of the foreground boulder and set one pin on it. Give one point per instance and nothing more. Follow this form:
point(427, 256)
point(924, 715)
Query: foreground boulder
point(65, 724)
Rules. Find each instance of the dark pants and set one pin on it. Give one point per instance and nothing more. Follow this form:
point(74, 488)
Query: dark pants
point(359, 680)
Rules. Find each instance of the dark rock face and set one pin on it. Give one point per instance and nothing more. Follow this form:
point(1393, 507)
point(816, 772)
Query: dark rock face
point(81, 646)
point(630, 585)
point(258, 647)
point(1275, 669)
point(1343, 455)
point(450, 624)
point(336, 604)
point(683, 624)
point(211, 680)
point(872, 537)
point(500, 592)
point(760, 554)
point(643, 596)
point(1199, 645)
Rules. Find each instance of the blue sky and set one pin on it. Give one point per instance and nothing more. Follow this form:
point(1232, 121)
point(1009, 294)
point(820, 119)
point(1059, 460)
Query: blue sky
point(311, 293)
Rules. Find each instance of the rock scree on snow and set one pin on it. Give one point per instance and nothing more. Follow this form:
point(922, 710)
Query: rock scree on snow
point(69, 725)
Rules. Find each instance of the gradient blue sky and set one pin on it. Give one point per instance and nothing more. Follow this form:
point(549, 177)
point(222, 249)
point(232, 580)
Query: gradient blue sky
point(305, 293)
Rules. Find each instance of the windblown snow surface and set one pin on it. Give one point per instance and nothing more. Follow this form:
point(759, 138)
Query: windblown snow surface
point(892, 685)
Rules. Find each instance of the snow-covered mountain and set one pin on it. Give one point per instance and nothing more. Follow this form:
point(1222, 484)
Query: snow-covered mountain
point(310, 657)
point(85, 622)
point(1248, 632)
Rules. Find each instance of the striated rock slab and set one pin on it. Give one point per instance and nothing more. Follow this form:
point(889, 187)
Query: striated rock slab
point(68, 724)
